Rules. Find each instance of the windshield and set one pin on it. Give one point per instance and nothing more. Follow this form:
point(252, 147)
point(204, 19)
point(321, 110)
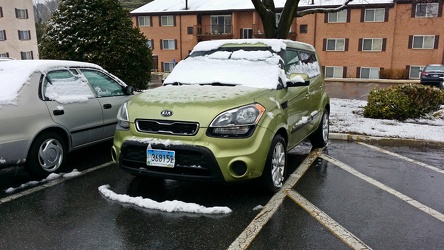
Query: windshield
point(255, 66)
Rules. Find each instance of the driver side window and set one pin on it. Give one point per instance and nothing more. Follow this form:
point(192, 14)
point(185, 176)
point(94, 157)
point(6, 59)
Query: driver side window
point(102, 84)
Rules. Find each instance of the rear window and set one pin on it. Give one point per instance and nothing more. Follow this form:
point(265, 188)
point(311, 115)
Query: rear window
point(435, 68)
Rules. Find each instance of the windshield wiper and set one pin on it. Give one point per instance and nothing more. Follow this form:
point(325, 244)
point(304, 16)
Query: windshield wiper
point(218, 84)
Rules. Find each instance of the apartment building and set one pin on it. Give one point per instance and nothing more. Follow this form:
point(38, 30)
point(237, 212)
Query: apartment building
point(17, 30)
point(368, 39)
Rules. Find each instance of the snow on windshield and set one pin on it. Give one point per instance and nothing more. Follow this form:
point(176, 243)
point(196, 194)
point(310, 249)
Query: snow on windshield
point(258, 69)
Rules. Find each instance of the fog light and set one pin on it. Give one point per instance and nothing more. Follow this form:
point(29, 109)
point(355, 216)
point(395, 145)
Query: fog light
point(239, 168)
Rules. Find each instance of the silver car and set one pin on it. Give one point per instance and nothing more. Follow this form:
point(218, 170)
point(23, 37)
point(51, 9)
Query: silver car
point(51, 107)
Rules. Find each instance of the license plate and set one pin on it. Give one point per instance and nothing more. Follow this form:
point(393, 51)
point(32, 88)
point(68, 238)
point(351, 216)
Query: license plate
point(435, 75)
point(160, 158)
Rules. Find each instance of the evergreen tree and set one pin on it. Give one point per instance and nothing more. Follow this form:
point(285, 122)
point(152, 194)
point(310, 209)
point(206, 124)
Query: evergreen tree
point(100, 32)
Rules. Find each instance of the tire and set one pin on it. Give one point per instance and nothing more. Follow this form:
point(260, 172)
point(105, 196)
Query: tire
point(46, 155)
point(320, 137)
point(275, 168)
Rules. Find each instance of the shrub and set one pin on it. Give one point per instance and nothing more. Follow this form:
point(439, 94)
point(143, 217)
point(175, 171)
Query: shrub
point(403, 102)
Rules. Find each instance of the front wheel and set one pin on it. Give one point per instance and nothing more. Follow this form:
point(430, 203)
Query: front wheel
point(276, 165)
point(46, 155)
point(320, 137)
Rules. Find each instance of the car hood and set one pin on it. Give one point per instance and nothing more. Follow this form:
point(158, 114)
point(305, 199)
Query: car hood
point(192, 103)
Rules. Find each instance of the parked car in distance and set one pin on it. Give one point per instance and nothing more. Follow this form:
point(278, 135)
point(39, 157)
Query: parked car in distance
point(433, 75)
point(228, 112)
point(51, 107)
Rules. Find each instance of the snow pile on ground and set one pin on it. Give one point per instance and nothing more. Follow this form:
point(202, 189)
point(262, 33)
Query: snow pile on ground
point(166, 206)
point(346, 117)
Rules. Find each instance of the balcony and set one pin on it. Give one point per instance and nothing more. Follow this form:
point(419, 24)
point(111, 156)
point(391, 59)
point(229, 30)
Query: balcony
point(210, 32)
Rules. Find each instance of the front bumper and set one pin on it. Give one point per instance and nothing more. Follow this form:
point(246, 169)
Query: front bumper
point(197, 157)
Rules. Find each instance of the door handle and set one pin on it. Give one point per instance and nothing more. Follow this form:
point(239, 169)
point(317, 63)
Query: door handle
point(107, 106)
point(58, 112)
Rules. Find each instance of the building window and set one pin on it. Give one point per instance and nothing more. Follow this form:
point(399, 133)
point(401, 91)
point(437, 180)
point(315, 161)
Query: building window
point(426, 10)
point(2, 35)
point(372, 44)
point(21, 13)
point(415, 72)
point(303, 28)
point(150, 43)
point(168, 66)
point(369, 73)
point(24, 35)
point(144, 21)
point(4, 54)
point(334, 72)
point(169, 44)
point(27, 55)
point(247, 33)
point(190, 30)
point(167, 21)
point(338, 17)
point(221, 24)
point(374, 15)
point(335, 44)
point(155, 63)
point(423, 42)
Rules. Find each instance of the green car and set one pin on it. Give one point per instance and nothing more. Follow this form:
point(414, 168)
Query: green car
point(228, 112)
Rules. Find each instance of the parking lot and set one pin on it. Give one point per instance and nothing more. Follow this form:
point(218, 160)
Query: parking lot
point(350, 194)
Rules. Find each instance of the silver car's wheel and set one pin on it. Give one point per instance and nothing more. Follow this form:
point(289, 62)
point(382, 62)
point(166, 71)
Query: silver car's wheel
point(46, 155)
point(50, 155)
point(276, 165)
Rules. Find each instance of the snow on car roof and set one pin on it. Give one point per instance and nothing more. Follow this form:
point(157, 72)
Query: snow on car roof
point(15, 74)
point(215, 5)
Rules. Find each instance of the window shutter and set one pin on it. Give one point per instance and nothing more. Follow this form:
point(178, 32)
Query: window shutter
point(161, 67)
point(346, 44)
point(362, 15)
point(151, 21)
point(32, 54)
point(358, 72)
point(360, 44)
point(410, 42)
point(29, 34)
point(160, 21)
point(436, 41)
point(175, 43)
point(152, 44)
point(440, 9)
point(386, 18)
point(16, 13)
point(324, 45)
point(27, 14)
point(174, 20)
point(384, 44)
point(344, 72)
point(1, 12)
point(325, 17)
point(348, 15)
point(413, 10)
point(161, 44)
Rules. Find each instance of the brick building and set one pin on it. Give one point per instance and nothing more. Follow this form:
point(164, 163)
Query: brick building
point(17, 30)
point(369, 39)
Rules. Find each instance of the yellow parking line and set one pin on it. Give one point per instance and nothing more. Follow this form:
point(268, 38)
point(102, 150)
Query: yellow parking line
point(339, 231)
point(403, 157)
point(428, 210)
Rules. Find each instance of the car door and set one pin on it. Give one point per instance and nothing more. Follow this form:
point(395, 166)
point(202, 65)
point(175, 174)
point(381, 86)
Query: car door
point(110, 94)
point(72, 104)
point(297, 105)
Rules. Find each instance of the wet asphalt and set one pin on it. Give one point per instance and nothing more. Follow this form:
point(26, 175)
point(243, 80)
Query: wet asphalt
point(72, 214)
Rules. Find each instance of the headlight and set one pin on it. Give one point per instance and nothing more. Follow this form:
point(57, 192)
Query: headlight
point(122, 117)
point(239, 122)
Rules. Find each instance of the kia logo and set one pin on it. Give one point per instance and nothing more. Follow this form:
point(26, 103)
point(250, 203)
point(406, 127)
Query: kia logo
point(166, 113)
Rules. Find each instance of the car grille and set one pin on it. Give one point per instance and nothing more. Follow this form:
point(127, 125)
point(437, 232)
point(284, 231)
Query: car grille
point(190, 162)
point(167, 127)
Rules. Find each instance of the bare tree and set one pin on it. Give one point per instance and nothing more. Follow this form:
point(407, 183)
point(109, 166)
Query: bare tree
point(267, 13)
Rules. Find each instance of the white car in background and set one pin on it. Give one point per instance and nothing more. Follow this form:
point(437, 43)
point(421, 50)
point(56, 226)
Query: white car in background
point(51, 107)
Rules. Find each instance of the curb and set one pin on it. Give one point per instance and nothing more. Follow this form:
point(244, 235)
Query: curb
point(360, 80)
point(385, 140)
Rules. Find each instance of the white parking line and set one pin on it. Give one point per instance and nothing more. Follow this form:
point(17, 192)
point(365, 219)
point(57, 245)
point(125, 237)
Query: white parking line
point(343, 234)
point(403, 157)
point(255, 226)
point(428, 210)
point(50, 184)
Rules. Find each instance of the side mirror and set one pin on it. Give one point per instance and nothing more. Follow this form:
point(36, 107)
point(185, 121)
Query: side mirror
point(128, 90)
point(298, 80)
